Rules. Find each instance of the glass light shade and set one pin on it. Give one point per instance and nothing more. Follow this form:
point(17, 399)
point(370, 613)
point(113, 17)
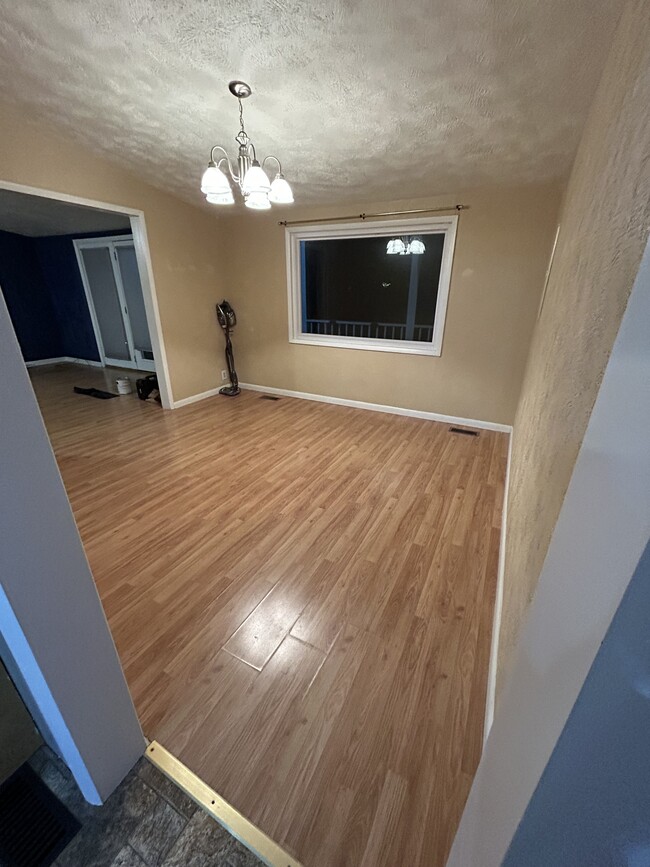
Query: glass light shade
point(214, 180)
point(221, 198)
point(280, 191)
point(258, 201)
point(396, 247)
point(255, 181)
point(416, 247)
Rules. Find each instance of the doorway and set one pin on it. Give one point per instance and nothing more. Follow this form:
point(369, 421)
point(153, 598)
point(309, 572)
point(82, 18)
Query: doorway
point(128, 286)
point(109, 271)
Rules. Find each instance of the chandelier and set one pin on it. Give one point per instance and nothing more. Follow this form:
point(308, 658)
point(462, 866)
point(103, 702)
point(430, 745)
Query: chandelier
point(258, 192)
point(405, 247)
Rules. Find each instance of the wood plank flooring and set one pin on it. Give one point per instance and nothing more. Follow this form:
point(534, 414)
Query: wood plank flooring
point(301, 595)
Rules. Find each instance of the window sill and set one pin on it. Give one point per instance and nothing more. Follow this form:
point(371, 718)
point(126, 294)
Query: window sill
point(407, 347)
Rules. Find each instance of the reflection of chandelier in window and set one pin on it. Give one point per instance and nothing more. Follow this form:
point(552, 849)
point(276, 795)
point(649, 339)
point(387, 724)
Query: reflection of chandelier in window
point(405, 246)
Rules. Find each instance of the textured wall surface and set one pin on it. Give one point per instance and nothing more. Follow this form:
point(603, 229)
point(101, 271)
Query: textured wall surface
point(183, 240)
point(373, 99)
point(502, 248)
point(604, 227)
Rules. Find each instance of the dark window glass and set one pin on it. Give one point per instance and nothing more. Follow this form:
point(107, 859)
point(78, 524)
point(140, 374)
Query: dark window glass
point(353, 287)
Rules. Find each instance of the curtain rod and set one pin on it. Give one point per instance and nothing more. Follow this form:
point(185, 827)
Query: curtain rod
point(370, 216)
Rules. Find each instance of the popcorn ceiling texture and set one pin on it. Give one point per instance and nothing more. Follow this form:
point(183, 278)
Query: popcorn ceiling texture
point(604, 229)
point(372, 100)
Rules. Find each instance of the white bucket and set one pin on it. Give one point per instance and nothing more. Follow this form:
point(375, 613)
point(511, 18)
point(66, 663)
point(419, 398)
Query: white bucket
point(123, 384)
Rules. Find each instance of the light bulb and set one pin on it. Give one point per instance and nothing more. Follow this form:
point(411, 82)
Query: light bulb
point(255, 180)
point(258, 201)
point(416, 247)
point(281, 193)
point(214, 180)
point(221, 198)
point(396, 247)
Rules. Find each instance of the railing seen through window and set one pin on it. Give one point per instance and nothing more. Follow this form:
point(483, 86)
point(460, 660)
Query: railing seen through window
point(371, 286)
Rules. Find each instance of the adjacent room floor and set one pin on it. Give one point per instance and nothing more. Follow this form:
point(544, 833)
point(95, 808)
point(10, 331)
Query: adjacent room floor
point(301, 595)
point(146, 822)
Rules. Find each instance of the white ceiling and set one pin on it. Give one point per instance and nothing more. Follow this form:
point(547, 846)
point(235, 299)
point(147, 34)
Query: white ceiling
point(366, 100)
point(36, 216)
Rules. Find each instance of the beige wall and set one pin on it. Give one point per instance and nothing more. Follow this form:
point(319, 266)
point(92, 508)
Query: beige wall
point(183, 240)
point(502, 251)
point(604, 230)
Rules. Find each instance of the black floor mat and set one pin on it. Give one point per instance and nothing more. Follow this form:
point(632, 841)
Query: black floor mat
point(95, 392)
point(35, 827)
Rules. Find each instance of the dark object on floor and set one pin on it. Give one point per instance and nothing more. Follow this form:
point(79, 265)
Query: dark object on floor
point(94, 392)
point(269, 397)
point(469, 433)
point(35, 827)
point(227, 321)
point(147, 388)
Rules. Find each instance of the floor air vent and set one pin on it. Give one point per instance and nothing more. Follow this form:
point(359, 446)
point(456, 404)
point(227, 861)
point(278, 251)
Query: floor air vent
point(269, 397)
point(461, 430)
point(35, 827)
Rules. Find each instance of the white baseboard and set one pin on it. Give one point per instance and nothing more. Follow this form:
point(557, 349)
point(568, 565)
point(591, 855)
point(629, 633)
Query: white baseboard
point(358, 404)
point(498, 607)
point(380, 407)
point(195, 398)
point(63, 359)
point(42, 362)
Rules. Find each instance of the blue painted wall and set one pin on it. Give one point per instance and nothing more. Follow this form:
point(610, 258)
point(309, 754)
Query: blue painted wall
point(60, 270)
point(28, 298)
point(592, 805)
point(42, 287)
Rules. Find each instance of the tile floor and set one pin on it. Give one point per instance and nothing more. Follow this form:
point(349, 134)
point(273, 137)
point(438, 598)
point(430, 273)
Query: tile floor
point(147, 822)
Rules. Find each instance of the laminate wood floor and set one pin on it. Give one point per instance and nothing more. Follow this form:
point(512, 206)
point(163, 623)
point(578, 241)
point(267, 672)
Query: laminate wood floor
point(301, 595)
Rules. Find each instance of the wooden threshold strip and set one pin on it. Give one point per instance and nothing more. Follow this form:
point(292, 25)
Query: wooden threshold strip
point(232, 820)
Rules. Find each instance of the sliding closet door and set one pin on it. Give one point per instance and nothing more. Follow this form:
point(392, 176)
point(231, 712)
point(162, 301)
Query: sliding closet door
point(132, 287)
point(108, 306)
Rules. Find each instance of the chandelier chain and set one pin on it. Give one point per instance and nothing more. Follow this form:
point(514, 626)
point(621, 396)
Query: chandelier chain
point(241, 116)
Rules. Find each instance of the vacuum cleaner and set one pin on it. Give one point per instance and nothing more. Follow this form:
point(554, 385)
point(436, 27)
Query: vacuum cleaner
point(228, 320)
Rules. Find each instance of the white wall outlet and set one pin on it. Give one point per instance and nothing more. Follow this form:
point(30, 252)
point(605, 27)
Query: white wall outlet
point(224, 375)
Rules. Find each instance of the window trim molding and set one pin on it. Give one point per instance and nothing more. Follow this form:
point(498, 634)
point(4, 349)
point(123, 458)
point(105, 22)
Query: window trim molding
point(377, 228)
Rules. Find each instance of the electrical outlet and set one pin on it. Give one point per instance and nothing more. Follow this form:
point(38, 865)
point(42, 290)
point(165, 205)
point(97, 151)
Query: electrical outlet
point(224, 375)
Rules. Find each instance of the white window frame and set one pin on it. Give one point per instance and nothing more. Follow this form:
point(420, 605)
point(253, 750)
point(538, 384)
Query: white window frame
point(360, 229)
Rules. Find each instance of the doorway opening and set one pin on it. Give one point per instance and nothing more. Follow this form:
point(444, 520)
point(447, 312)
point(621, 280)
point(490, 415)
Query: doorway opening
point(76, 276)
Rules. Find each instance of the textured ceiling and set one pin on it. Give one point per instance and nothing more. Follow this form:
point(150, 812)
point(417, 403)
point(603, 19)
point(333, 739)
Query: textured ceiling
point(37, 216)
point(361, 100)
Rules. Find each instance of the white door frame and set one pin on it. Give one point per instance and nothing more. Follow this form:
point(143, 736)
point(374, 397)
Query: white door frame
point(143, 257)
point(81, 244)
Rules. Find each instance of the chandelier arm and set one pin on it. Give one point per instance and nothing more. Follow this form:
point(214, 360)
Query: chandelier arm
point(230, 171)
point(225, 158)
point(272, 157)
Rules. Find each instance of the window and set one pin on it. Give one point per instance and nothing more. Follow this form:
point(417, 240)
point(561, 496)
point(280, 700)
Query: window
point(380, 285)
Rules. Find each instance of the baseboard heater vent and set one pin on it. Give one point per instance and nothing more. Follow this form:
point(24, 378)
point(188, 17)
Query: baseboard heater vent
point(35, 827)
point(469, 433)
point(269, 397)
